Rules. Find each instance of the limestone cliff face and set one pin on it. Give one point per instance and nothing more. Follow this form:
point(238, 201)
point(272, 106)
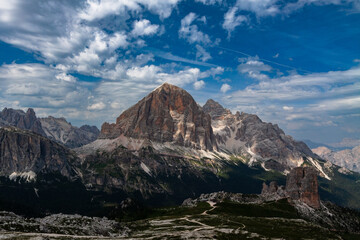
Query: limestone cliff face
point(247, 135)
point(348, 158)
point(302, 184)
point(59, 130)
point(168, 114)
point(23, 151)
point(20, 119)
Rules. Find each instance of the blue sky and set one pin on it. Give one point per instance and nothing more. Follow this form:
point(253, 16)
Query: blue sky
point(295, 63)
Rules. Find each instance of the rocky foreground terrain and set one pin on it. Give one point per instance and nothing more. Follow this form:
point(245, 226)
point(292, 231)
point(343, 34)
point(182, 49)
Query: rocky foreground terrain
point(274, 213)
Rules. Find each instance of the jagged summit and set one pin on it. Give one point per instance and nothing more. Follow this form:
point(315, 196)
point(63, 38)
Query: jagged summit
point(60, 130)
point(168, 86)
point(167, 114)
point(56, 129)
point(215, 109)
point(248, 135)
point(20, 119)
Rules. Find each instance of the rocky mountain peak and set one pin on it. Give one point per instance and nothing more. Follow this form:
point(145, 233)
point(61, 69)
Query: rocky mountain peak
point(347, 158)
point(31, 112)
point(60, 130)
point(247, 135)
point(167, 88)
point(215, 109)
point(321, 151)
point(167, 114)
point(20, 119)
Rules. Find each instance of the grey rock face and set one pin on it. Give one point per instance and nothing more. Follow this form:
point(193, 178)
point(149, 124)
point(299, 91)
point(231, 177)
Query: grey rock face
point(145, 171)
point(22, 151)
point(168, 114)
point(348, 158)
point(56, 129)
point(247, 135)
point(59, 130)
point(214, 109)
point(20, 119)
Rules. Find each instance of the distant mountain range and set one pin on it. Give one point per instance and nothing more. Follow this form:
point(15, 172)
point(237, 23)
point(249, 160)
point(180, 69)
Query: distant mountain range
point(57, 129)
point(348, 158)
point(346, 143)
point(160, 151)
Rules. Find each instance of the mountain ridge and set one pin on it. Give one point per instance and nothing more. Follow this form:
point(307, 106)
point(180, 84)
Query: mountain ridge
point(152, 166)
point(347, 158)
point(57, 129)
point(248, 135)
point(167, 114)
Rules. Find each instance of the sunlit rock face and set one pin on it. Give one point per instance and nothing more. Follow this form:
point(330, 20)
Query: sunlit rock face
point(246, 134)
point(168, 114)
point(59, 130)
point(348, 158)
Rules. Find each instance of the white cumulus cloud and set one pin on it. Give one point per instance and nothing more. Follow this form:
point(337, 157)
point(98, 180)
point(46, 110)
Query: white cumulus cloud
point(144, 27)
point(191, 32)
point(232, 20)
point(287, 108)
point(225, 87)
point(199, 85)
point(97, 106)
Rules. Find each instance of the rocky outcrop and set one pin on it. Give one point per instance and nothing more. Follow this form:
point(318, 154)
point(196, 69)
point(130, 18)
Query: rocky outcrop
point(214, 109)
point(59, 130)
point(302, 184)
point(348, 158)
point(273, 191)
point(25, 154)
point(247, 135)
point(328, 215)
point(20, 119)
point(62, 224)
point(168, 114)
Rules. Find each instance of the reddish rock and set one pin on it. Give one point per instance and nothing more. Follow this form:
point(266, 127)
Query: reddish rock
point(168, 114)
point(271, 189)
point(302, 184)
